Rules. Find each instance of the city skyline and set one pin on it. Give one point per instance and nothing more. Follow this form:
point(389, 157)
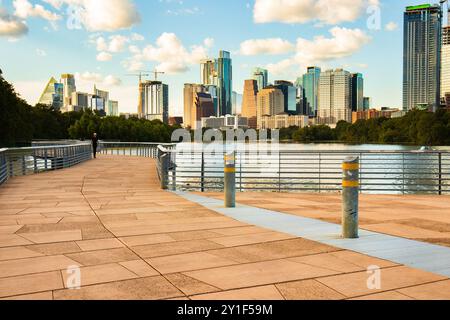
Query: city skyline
point(105, 52)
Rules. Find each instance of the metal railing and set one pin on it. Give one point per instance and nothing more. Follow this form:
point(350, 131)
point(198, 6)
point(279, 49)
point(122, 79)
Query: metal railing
point(24, 161)
point(137, 149)
point(382, 172)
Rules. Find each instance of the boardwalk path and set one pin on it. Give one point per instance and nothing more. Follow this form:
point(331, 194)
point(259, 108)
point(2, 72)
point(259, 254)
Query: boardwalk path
point(134, 241)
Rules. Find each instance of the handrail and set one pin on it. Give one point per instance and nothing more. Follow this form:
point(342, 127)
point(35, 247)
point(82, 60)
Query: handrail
point(31, 160)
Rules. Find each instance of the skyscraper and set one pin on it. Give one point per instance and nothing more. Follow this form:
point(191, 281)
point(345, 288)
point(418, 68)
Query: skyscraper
point(154, 100)
point(262, 77)
point(202, 107)
point(224, 83)
point(249, 102)
point(421, 57)
point(269, 102)
point(334, 97)
point(190, 89)
point(53, 94)
point(311, 89)
point(357, 92)
point(68, 81)
point(208, 73)
point(290, 96)
point(445, 63)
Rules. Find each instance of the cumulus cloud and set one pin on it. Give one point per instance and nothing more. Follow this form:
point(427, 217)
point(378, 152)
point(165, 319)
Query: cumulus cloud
point(391, 26)
point(303, 11)
point(343, 43)
point(266, 46)
point(41, 52)
point(170, 54)
point(25, 9)
point(102, 15)
point(104, 56)
point(11, 26)
point(97, 78)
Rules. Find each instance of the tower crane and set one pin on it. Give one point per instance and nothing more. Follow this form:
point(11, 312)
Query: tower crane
point(141, 74)
point(155, 73)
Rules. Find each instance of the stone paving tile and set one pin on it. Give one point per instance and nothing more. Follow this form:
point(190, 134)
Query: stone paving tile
point(308, 290)
point(190, 286)
point(103, 256)
point(12, 240)
point(34, 265)
point(100, 244)
point(234, 241)
point(30, 284)
point(255, 274)
point(390, 295)
point(135, 241)
point(42, 296)
point(173, 248)
point(188, 262)
point(273, 250)
point(140, 268)
point(194, 235)
point(13, 253)
point(100, 274)
point(260, 293)
point(355, 284)
point(58, 248)
point(343, 261)
point(54, 236)
point(152, 288)
point(433, 291)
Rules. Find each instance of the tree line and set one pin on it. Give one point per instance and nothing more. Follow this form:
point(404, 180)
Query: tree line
point(417, 127)
point(21, 123)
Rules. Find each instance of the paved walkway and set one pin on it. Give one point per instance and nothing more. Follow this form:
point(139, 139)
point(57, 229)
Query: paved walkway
point(134, 241)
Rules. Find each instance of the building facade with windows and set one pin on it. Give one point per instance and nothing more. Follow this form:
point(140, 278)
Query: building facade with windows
point(154, 101)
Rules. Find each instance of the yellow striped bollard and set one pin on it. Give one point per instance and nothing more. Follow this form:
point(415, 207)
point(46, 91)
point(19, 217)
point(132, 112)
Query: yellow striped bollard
point(230, 180)
point(350, 198)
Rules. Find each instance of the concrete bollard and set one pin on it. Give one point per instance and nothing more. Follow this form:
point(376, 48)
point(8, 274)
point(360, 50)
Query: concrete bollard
point(230, 180)
point(350, 198)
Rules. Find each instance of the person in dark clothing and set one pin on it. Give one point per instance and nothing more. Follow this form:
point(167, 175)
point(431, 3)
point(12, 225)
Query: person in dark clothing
point(94, 144)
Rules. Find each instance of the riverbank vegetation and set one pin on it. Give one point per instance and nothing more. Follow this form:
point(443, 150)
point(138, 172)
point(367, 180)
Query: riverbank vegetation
point(416, 127)
point(21, 123)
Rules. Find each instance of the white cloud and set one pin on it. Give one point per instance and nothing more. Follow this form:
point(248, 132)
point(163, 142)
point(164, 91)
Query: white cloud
point(41, 52)
point(97, 78)
point(303, 11)
point(343, 42)
point(25, 9)
point(170, 54)
point(104, 56)
point(11, 26)
point(266, 46)
point(102, 15)
point(391, 26)
point(137, 37)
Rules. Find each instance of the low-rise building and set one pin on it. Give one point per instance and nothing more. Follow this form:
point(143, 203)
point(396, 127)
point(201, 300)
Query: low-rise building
point(284, 121)
point(225, 122)
point(372, 114)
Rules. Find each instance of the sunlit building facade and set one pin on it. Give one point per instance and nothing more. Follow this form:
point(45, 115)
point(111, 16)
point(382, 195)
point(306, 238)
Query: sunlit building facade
point(53, 94)
point(334, 97)
point(154, 101)
point(269, 102)
point(68, 81)
point(421, 57)
point(290, 96)
point(249, 102)
point(445, 69)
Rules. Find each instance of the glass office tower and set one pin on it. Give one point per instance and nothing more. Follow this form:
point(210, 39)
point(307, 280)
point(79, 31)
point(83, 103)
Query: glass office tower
point(357, 92)
point(290, 96)
point(262, 77)
point(224, 83)
point(311, 89)
point(421, 57)
point(154, 99)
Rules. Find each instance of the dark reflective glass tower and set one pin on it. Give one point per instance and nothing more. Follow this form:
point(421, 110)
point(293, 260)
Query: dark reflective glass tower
point(357, 92)
point(224, 83)
point(421, 57)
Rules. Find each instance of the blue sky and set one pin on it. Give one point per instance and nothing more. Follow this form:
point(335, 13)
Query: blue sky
point(117, 37)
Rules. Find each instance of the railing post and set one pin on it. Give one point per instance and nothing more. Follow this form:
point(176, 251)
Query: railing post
point(350, 198)
point(174, 172)
point(440, 173)
point(230, 180)
point(164, 171)
point(202, 173)
point(24, 166)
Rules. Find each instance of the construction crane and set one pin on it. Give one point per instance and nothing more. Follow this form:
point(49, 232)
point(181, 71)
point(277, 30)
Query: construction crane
point(156, 72)
point(141, 74)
